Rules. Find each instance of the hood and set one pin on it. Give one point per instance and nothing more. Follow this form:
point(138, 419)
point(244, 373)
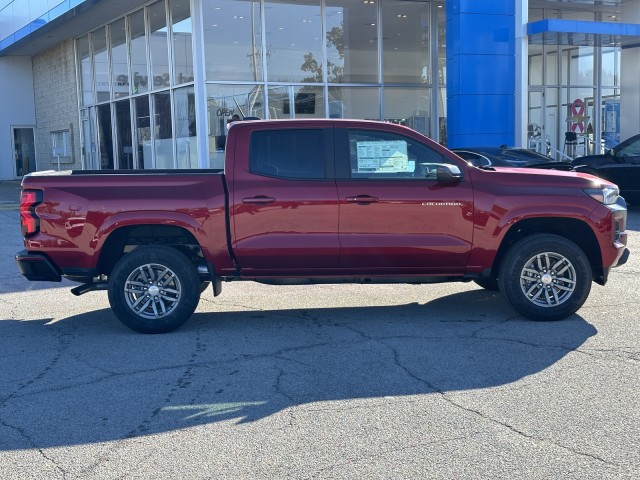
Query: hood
point(591, 159)
point(539, 178)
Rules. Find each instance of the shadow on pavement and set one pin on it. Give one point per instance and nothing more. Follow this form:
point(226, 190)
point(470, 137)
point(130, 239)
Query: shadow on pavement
point(87, 379)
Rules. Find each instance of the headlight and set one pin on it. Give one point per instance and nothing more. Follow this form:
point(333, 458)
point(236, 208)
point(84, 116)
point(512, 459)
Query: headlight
point(605, 195)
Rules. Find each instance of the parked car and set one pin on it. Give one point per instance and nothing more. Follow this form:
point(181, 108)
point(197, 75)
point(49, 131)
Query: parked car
point(504, 156)
point(321, 201)
point(620, 165)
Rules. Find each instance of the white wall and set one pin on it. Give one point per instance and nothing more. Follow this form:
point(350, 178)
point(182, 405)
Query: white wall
point(629, 75)
point(17, 107)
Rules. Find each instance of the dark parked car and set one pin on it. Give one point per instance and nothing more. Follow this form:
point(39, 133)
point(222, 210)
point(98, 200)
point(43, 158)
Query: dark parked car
point(620, 165)
point(503, 156)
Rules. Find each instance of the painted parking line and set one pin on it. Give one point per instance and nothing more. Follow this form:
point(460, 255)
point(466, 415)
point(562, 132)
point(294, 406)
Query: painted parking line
point(9, 206)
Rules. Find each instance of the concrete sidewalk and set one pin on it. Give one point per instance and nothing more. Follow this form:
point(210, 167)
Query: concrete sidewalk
point(9, 194)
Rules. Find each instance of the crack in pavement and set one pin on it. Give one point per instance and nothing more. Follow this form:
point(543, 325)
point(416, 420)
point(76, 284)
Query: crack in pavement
point(482, 415)
point(189, 371)
point(382, 452)
point(34, 446)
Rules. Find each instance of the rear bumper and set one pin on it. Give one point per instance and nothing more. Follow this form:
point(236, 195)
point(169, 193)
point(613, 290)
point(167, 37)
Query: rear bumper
point(37, 267)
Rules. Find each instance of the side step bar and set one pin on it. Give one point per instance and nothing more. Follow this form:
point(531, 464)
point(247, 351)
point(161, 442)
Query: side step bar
point(89, 287)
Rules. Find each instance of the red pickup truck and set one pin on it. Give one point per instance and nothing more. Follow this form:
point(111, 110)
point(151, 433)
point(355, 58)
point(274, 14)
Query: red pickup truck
point(322, 201)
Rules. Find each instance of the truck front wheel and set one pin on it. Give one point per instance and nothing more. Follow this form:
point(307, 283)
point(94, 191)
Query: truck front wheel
point(154, 289)
point(545, 277)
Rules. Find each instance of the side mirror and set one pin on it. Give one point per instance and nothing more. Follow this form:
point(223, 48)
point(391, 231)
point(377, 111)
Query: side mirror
point(448, 173)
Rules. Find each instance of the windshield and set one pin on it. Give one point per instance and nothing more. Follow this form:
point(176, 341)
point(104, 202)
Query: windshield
point(502, 157)
point(631, 150)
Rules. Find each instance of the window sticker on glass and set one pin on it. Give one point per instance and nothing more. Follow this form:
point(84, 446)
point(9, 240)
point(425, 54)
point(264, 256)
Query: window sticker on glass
point(382, 157)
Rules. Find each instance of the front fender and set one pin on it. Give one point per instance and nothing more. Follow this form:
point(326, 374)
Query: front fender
point(542, 217)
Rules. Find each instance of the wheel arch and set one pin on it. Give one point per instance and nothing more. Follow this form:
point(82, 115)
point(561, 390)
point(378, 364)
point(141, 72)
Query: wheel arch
point(578, 231)
point(125, 239)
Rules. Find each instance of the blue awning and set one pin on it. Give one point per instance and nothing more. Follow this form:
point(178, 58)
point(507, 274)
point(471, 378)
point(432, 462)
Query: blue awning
point(583, 33)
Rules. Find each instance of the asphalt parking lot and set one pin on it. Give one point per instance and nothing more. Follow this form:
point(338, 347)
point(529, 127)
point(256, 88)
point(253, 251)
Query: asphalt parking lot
point(397, 381)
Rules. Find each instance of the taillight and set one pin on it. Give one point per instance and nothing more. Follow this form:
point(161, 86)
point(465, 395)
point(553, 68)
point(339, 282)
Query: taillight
point(29, 221)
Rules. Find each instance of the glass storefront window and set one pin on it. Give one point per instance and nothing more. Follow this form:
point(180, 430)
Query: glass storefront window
point(124, 146)
point(224, 103)
point(442, 48)
point(354, 102)
point(84, 62)
point(182, 49)
point(351, 58)
point(184, 106)
point(408, 106)
point(577, 115)
point(405, 41)
point(551, 124)
point(581, 70)
point(140, 64)
point(611, 67)
point(551, 67)
point(296, 102)
point(119, 66)
point(578, 15)
point(308, 102)
point(158, 46)
point(442, 116)
point(162, 130)
point(101, 64)
point(610, 119)
point(278, 98)
point(139, 74)
point(536, 14)
point(535, 64)
point(143, 132)
point(105, 137)
point(294, 41)
point(232, 40)
point(535, 137)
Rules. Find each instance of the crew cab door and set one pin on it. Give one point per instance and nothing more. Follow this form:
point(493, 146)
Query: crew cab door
point(395, 216)
point(284, 212)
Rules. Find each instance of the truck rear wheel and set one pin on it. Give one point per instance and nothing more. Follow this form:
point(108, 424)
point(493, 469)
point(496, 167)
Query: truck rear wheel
point(545, 277)
point(154, 289)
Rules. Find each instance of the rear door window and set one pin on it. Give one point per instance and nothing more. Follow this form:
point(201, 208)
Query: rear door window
point(292, 154)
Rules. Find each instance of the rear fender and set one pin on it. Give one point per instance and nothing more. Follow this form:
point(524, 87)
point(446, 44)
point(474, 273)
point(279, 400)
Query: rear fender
point(130, 219)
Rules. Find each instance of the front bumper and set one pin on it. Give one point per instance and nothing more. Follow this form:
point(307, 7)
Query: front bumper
point(37, 267)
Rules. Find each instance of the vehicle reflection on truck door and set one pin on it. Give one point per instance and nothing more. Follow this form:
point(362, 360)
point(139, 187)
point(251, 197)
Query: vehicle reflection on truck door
point(394, 213)
point(285, 208)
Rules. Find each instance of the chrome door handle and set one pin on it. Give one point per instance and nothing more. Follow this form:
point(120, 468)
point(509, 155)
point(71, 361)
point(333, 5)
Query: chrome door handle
point(361, 199)
point(260, 199)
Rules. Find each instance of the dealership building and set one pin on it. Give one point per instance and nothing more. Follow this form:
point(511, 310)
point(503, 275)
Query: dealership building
point(139, 84)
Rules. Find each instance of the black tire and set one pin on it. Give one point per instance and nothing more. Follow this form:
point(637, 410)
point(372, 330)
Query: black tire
point(489, 284)
point(545, 277)
point(154, 289)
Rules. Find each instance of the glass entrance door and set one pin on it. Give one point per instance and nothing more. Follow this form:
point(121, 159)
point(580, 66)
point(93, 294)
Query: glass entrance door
point(24, 150)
